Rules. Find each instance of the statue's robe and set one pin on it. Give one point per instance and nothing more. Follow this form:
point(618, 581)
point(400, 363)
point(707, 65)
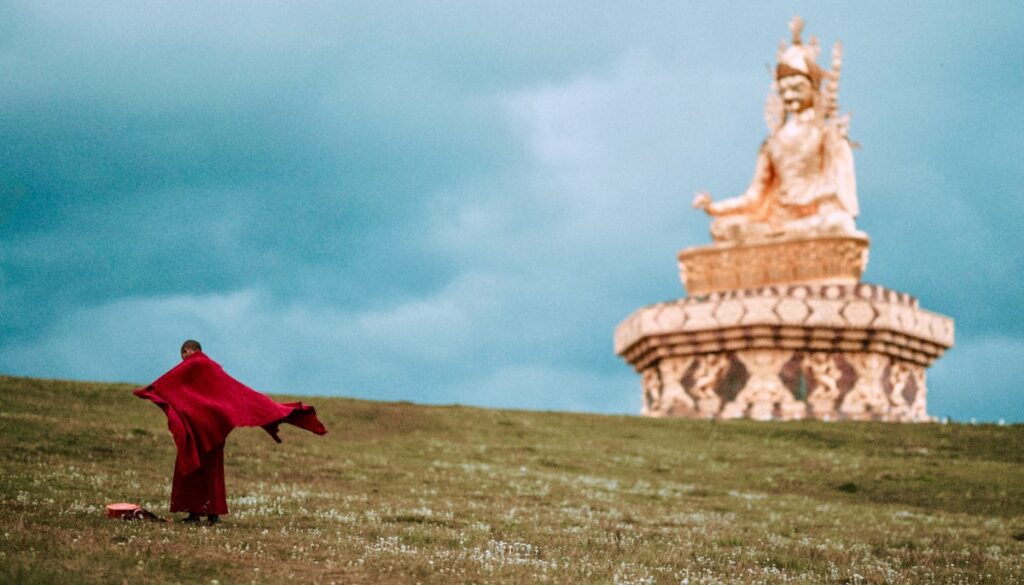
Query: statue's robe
point(804, 179)
point(203, 404)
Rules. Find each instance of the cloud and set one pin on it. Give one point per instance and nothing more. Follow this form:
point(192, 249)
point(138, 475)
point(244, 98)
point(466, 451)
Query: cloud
point(452, 202)
point(432, 347)
point(293, 347)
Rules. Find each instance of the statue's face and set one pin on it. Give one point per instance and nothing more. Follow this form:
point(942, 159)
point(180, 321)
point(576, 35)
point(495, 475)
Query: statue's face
point(797, 93)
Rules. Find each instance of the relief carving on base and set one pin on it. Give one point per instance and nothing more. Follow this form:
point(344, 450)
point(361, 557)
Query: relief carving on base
point(764, 396)
point(674, 399)
point(867, 399)
point(710, 370)
point(825, 375)
point(650, 381)
point(918, 409)
point(692, 386)
point(900, 383)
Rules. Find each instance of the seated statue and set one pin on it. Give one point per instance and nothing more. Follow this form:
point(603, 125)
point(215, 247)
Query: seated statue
point(804, 181)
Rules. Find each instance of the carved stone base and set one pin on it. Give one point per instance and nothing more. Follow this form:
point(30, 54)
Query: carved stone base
point(838, 259)
point(773, 384)
point(830, 352)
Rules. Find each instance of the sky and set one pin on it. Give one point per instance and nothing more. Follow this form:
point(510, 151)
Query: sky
point(457, 202)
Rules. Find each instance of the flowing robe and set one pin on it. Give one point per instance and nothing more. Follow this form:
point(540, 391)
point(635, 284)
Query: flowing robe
point(203, 404)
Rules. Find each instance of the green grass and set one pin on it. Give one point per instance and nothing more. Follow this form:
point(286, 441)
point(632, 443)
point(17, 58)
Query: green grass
point(401, 493)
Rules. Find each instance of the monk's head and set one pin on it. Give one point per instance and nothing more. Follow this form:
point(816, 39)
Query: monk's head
point(190, 347)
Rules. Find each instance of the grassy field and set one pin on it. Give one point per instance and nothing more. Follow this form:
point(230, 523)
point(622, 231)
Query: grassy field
point(400, 493)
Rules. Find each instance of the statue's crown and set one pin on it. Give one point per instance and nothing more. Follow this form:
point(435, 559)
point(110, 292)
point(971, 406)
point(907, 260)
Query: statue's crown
point(798, 58)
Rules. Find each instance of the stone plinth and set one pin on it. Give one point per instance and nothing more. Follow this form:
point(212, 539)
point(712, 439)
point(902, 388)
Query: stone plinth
point(839, 259)
point(826, 351)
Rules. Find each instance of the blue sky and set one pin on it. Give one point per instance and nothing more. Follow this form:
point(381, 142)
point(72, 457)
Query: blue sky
point(459, 201)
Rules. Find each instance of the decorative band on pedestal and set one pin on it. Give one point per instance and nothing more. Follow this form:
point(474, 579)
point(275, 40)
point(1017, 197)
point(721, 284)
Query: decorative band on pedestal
point(838, 259)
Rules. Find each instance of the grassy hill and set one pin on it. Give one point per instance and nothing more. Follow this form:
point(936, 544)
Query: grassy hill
point(401, 493)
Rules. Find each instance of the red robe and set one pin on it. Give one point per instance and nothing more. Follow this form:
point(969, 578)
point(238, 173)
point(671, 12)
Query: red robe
point(203, 404)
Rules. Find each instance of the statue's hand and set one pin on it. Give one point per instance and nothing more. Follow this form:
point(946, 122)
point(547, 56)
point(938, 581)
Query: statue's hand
point(702, 200)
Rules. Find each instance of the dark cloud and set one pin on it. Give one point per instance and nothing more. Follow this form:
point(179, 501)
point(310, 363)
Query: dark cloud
point(459, 202)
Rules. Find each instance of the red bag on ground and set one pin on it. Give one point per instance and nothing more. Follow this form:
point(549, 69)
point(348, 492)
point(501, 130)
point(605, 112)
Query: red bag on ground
point(126, 511)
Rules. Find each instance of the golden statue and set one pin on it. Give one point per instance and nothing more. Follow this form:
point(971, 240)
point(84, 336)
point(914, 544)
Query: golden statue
point(776, 323)
point(804, 181)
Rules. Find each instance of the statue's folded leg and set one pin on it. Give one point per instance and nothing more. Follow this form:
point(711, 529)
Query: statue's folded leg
point(737, 228)
point(828, 218)
point(731, 228)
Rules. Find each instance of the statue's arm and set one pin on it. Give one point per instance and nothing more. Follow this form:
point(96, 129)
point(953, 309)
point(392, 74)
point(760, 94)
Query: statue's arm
point(750, 198)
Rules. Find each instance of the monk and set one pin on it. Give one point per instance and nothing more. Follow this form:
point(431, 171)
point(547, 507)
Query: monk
point(203, 404)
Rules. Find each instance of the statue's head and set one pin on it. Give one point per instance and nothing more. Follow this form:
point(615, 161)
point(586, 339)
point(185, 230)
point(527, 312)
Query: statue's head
point(797, 92)
point(797, 74)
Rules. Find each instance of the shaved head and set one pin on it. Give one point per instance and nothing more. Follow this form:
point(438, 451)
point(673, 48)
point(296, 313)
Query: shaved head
point(190, 347)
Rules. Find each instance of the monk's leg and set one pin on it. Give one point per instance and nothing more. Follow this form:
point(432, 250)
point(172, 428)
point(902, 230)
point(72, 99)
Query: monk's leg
point(202, 491)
